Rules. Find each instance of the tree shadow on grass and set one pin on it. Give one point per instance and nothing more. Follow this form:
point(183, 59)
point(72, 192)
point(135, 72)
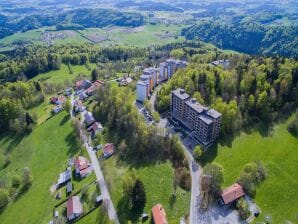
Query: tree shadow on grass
point(65, 119)
point(124, 214)
point(72, 143)
point(14, 140)
point(209, 155)
point(21, 192)
point(172, 201)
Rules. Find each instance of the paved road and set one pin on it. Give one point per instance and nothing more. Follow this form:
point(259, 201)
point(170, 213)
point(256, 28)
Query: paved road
point(98, 172)
point(194, 168)
point(102, 183)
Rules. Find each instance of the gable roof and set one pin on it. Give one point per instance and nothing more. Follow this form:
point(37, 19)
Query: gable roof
point(108, 149)
point(232, 193)
point(74, 206)
point(81, 163)
point(159, 214)
point(95, 126)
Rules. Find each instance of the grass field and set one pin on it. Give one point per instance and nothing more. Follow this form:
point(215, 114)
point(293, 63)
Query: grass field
point(158, 183)
point(62, 75)
point(143, 36)
point(277, 196)
point(45, 151)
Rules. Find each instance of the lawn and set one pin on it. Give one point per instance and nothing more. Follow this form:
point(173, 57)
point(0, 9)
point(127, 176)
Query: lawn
point(158, 183)
point(45, 151)
point(277, 196)
point(62, 75)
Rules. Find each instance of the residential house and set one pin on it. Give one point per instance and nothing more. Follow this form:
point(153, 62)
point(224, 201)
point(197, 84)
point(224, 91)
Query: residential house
point(57, 109)
point(68, 91)
point(74, 208)
point(83, 96)
point(64, 177)
point(94, 86)
point(59, 100)
point(68, 187)
point(159, 214)
point(95, 128)
point(231, 194)
point(82, 166)
point(88, 118)
point(82, 84)
point(203, 123)
point(224, 63)
point(108, 150)
point(78, 106)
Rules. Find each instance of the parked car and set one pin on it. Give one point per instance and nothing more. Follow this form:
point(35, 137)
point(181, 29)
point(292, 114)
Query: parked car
point(97, 147)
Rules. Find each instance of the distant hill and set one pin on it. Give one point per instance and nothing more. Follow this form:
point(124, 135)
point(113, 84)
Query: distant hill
point(81, 17)
point(247, 37)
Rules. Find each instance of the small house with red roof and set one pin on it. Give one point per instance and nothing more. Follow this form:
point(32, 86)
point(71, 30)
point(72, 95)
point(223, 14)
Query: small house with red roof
point(231, 194)
point(94, 86)
point(108, 150)
point(159, 214)
point(82, 166)
point(82, 84)
point(74, 208)
point(58, 100)
point(78, 106)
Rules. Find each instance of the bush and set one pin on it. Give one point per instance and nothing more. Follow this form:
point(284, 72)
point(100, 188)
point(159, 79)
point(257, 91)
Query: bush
point(3, 198)
point(27, 178)
point(293, 126)
point(156, 116)
point(252, 174)
point(197, 153)
point(16, 181)
point(243, 209)
point(183, 178)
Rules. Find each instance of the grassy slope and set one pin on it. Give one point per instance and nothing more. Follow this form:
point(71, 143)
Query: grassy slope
point(59, 76)
point(45, 151)
point(277, 196)
point(157, 179)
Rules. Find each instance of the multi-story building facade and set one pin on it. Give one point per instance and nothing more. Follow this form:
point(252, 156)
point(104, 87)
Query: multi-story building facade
point(153, 76)
point(203, 123)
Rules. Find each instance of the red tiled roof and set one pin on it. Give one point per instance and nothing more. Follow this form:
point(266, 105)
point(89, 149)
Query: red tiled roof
point(108, 149)
point(94, 86)
point(159, 214)
point(81, 163)
point(232, 193)
point(74, 206)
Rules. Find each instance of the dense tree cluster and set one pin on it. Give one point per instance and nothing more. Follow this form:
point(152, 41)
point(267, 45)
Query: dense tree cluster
point(79, 18)
point(15, 99)
point(252, 174)
point(247, 37)
point(116, 108)
point(251, 90)
point(29, 61)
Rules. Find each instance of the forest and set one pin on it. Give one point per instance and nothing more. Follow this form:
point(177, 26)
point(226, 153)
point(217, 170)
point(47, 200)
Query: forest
point(253, 89)
point(248, 37)
point(80, 17)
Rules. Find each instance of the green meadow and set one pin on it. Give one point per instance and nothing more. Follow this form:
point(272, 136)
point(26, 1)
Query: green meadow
point(158, 182)
point(45, 151)
point(277, 148)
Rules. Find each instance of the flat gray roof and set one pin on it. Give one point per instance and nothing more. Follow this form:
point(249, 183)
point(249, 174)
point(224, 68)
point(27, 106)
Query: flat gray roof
point(205, 119)
point(213, 113)
point(180, 93)
point(196, 106)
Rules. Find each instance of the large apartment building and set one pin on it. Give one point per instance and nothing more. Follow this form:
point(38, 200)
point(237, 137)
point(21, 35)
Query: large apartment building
point(151, 77)
point(202, 122)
